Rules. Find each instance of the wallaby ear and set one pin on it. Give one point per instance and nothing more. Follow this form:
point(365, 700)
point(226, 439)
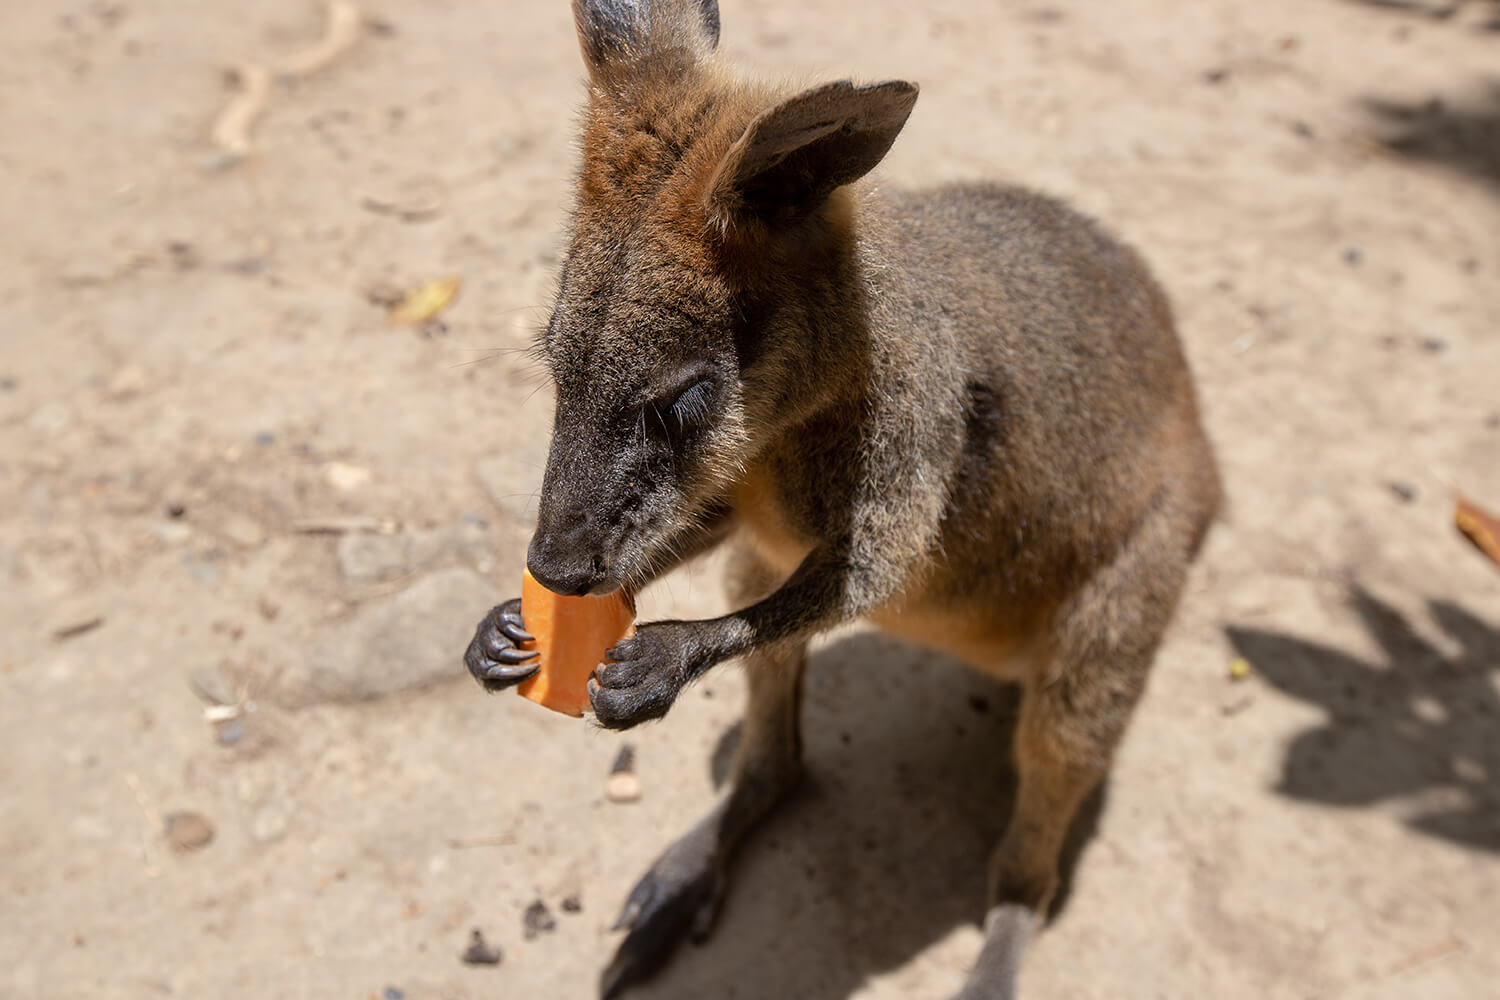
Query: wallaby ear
point(793, 156)
point(613, 32)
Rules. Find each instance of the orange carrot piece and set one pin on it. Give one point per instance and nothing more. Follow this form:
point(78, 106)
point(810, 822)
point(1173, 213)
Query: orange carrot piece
point(573, 634)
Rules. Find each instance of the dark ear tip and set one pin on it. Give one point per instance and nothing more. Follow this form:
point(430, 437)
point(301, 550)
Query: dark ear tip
point(896, 93)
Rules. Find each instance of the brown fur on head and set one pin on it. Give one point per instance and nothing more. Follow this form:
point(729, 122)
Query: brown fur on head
point(700, 196)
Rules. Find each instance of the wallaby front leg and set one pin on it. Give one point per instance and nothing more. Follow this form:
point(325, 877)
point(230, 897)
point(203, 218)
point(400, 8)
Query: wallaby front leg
point(647, 671)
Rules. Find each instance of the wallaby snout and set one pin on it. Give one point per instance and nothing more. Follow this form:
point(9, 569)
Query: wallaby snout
point(565, 562)
point(587, 511)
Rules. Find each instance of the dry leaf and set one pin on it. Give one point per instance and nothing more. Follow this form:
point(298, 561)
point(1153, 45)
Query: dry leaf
point(422, 304)
point(1480, 527)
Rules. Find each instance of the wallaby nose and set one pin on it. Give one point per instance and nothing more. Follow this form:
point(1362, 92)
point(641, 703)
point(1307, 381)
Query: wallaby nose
point(562, 568)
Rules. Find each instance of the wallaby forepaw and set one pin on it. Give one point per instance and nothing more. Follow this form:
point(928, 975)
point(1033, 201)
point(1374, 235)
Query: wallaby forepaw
point(494, 656)
point(644, 675)
point(669, 905)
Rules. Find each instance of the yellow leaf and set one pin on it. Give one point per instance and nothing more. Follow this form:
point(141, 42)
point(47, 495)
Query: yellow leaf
point(424, 303)
point(1480, 527)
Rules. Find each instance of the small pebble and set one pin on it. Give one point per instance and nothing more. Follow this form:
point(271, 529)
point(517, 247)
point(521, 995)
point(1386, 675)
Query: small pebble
point(1405, 492)
point(265, 439)
point(479, 951)
point(1353, 256)
point(230, 733)
point(243, 531)
point(271, 822)
point(171, 532)
point(622, 786)
point(537, 920)
point(572, 904)
point(1235, 707)
point(176, 510)
point(72, 630)
point(202, 570)
point(126, 383)
point(187, 831)
point(343, 476)
point(1434, 345)
point(393, 993)
point(184, 255)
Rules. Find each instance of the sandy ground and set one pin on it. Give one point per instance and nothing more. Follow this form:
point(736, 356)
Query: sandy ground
point(194, 370)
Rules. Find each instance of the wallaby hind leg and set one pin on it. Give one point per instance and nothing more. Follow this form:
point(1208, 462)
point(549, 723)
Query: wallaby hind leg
point(1073, 713)
point(679, 896)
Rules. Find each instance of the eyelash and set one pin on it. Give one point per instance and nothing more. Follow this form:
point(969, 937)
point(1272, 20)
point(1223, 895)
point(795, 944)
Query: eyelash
point(691, 407)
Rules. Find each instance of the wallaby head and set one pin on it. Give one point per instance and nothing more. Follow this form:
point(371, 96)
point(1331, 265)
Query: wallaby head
point(708, 243)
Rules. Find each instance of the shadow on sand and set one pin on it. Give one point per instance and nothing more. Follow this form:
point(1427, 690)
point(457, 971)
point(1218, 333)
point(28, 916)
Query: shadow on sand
point(1418, 724)
point(1440, 10)
point(1463, 136)
point(883, 851)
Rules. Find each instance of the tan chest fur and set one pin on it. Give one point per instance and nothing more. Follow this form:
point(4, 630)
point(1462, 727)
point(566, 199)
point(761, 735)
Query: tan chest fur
point(985, 640)
point(761, 517)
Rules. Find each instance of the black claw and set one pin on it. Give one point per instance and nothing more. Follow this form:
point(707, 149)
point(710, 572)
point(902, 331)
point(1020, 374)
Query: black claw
point(515, 633)
point(631, 911)
point(659, 921)
point(506, 676)
point(512, 655)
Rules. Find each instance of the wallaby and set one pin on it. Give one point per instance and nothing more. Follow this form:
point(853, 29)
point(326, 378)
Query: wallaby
point(961, 414)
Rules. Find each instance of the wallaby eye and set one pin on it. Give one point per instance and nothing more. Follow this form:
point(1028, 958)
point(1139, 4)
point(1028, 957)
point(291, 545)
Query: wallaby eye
point(684, 408)
point(690, 408)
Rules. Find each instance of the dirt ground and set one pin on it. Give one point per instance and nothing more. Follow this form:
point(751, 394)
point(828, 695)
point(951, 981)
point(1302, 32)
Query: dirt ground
point(228, 484)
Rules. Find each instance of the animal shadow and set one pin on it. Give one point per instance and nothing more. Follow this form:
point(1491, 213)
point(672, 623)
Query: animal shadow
point(1462, 136)
point(1418, 723)
point(1439, 10)
point(883, 850)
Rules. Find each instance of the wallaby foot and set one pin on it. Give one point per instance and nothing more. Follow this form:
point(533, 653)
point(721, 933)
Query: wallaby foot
point(493, 657)
point(1007, 930)
point(679, 896)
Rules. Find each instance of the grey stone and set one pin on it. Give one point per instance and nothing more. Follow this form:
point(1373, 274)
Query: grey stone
point(364, 556)
point(50, 418)
point(456, 542)
point(203, 570)
point(271, 822)
point(242, 530)
point(408, 640)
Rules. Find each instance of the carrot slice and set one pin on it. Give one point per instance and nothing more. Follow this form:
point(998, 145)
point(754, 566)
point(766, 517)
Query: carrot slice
point(573, 634)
